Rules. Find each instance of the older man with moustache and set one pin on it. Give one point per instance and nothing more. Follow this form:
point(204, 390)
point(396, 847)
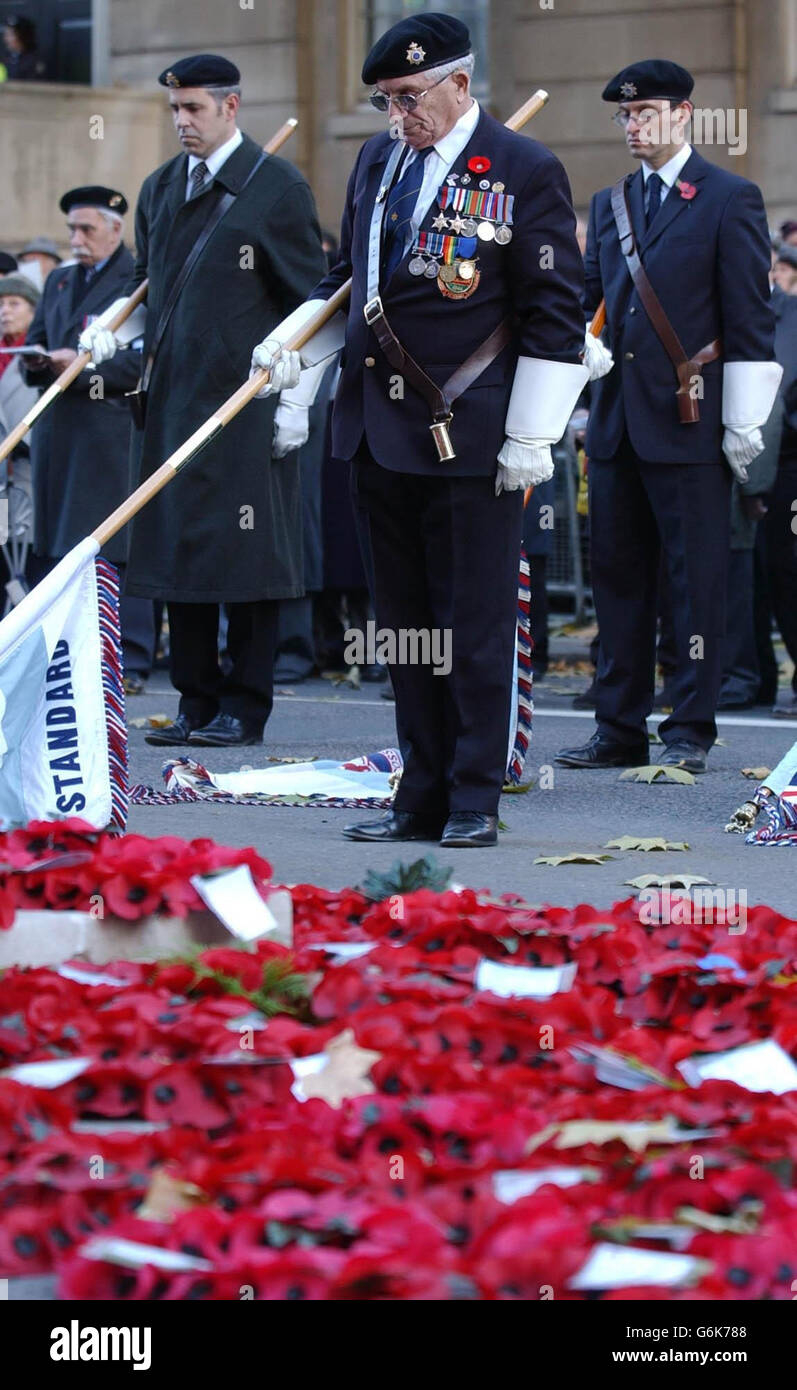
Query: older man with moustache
point(80, 446)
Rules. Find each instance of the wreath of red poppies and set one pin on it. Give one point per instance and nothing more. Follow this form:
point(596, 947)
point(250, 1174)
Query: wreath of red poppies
point(395, 1194)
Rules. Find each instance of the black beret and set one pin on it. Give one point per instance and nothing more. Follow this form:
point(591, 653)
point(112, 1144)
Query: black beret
point(655, 78)
point(94, 197)
point(415, 44)
point(201, 70)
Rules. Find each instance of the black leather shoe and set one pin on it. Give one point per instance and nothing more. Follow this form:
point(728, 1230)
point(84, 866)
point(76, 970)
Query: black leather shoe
point(225, 731)
point(681, 753)
point(469, 830)
point(396, 825)
point(178, 732)
point(604, 752)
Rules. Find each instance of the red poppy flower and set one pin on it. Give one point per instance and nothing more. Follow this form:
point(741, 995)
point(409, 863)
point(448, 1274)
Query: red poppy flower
point(686, 190)
point(479, 164)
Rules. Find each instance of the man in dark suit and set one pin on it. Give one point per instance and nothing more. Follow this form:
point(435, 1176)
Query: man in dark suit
point(448, 231)
point(227, 529)
point(656, 482)
point(80, 446)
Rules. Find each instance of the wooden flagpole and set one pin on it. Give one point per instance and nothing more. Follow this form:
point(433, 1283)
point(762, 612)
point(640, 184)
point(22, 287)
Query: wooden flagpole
point(64, 381)
point(245, 393)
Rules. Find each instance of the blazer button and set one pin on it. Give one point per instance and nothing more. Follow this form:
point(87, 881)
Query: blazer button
point(370, 361)
point(632, 310)
point(629, 356)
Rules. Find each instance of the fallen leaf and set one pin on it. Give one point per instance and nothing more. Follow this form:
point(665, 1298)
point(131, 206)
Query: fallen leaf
point(517, 789)
point(635, 1134)
point(657, 772)
point(150, 721)
point(740, 1223)
point(576, 857)
point(667, 881)
point(166, 1196)
point(757, 773)
point(655, 842)
point(345, 1073)
point(311, 759)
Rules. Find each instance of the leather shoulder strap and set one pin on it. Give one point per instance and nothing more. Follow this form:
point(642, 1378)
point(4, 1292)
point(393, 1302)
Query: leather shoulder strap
point(219, 211)
point(622, 217)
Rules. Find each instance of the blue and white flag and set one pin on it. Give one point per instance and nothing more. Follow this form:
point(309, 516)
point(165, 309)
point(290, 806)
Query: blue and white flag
point(780, 807)
point(63, 737)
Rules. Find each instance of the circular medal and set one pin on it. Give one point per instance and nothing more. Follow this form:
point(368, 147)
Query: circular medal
point(457, 288)
point(485, 231)
point(466, 270)
point(484, 183)
point(469, 225)
point(498, 188)
point(447, 273)
point(431, 269)
point(417, 266)
point(503, 234)
point(465, 178)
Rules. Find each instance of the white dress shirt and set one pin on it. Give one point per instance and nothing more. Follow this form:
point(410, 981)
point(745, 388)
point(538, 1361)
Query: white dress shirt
point(668, 172)
point(214, 161)
point(438, 163)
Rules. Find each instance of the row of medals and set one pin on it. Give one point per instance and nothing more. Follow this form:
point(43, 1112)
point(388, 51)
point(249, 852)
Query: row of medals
point(462, 271)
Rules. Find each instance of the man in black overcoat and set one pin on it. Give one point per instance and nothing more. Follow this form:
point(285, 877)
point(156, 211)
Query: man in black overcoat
point(80, 446)
point(228, 528)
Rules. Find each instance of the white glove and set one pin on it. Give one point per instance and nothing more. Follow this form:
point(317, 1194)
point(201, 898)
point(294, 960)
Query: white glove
point(597, 358)
point(522, 463)
point(740, 446)
point(291, 428)
point(98, 339)
point(285, 367)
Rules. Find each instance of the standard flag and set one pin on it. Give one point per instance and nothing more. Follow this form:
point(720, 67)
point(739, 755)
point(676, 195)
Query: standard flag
point(63, 736)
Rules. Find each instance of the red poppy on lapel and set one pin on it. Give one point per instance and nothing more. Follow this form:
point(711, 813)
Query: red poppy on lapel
point(479, 164)
point(686, 190)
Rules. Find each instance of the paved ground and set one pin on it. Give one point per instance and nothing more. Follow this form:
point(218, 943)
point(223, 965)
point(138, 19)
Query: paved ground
point(581, 811)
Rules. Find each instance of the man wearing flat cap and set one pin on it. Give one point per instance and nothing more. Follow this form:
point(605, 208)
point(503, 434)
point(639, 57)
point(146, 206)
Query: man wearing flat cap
point(80, 446)
point(464, 327)
point(680, 251)
point(227, 529)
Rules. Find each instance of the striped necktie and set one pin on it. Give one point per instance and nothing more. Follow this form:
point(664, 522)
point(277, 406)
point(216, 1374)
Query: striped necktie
point(198, 179)
point(400, 206)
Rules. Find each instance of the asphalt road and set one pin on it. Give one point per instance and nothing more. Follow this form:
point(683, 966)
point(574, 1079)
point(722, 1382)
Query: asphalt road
point(580, 811)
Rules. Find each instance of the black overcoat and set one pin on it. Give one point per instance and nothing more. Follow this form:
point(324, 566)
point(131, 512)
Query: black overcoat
point(80, 446)
point(227, 528)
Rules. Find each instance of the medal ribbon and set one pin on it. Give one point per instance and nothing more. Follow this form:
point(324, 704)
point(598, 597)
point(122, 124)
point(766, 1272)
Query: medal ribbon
point(437, 244)
point(492, 207)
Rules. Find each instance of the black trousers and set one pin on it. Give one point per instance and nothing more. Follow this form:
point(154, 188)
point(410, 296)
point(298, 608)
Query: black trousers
point(638, 511)
point(445, 557)
point(248, 691)
point(781, 549)
point(741, 679)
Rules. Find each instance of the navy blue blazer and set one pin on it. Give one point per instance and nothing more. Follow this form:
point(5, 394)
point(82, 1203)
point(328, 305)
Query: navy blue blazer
point(707, 258)
point(537, 277)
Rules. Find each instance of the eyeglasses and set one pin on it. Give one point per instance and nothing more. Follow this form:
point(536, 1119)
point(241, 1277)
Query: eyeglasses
point(406, 101)
point(642, 118)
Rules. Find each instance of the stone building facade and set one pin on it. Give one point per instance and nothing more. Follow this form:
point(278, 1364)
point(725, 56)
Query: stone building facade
point(303, 58)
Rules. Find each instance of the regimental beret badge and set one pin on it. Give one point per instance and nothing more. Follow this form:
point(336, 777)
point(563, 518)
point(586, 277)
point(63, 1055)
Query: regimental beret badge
point(170, 80)
point(415, 54)
point(114, 200)
point(628, 90)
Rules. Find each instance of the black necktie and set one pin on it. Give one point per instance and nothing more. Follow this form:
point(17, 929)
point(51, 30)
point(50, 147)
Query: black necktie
point(655, 185)
point(401, 202)
point(198, 178)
